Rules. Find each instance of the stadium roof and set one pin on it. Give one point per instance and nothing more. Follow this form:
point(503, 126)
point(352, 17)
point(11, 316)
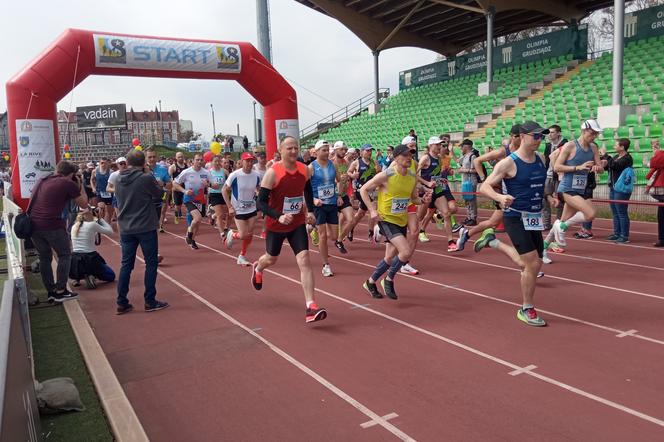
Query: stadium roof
point(446, 26)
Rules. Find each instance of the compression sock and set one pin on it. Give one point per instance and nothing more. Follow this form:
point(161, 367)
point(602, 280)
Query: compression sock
point(245, 246)
point(395, 267)
point(380, 270)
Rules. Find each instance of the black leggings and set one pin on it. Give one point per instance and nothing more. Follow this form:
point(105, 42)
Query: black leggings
point(660, 223)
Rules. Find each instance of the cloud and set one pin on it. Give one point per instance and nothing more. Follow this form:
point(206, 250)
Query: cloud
point(309, 49)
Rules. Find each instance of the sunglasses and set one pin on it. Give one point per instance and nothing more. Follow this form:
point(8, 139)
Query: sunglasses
point(122, 163)
point(537, 137)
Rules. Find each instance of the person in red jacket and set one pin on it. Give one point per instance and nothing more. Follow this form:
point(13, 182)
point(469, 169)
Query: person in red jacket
point(284, 190)
point(657, 186)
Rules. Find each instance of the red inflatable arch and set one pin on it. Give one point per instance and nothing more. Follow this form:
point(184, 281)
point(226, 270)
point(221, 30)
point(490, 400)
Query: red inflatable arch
point(33, 94)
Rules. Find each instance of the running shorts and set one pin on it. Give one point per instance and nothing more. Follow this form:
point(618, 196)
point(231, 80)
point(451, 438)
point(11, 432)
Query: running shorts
point(345, 202)
point(326, 214)
point(297, 238)
point(412, 208)
point(524, 241)
point(177, 198)
point(390, 230)
point(191, 206)
point(445, 193)
point(216, 199)
point(358, 197)
point(245, 216)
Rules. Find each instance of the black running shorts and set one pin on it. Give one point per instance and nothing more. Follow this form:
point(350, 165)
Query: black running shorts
point(191, 206)
point(297, 238)
point(358, 197)
point(177, 198)
point(390, 230)
point(345, 202)
point(445, 193)
point(245, 216)
point(216, 199)
point(524, 241)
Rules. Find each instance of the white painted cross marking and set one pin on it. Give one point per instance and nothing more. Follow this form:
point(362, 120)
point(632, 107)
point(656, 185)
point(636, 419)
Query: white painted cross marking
point(371, 423)
point(627, 333)
point(522, 370)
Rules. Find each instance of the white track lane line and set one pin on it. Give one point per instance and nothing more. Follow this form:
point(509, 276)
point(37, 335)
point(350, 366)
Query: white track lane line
point(452, 342)
point(375, 417)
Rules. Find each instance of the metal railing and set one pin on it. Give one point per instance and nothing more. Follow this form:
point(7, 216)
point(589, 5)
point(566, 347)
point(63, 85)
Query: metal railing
point(343, 114)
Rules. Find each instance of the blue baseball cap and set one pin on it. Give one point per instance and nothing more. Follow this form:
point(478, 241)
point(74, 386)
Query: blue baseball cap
point(367, 146)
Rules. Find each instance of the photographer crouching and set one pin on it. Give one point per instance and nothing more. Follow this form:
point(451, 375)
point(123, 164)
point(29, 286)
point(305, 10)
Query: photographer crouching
point(86, 262)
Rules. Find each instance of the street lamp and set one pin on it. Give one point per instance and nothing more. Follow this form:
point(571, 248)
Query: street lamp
point(255, 127)
point(214, 129)
point(161, 125)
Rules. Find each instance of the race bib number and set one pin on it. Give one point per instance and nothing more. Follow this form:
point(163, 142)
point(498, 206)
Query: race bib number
point(532, 221)
point(293, 206)
point(399, 205)
point(441, 182)
point(248, 204)
point(198, 206)
point(579, 181)
point(325, 191)
point(105, 194)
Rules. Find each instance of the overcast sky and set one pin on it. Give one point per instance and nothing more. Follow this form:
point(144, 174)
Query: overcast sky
point(308, 48)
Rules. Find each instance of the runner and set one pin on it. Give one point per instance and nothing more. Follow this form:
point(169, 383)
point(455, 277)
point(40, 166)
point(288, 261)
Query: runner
point(261, 167)
point(361, 170)
point(324, 178)
point(576, 159)
point(275, 159)
point(345, 189)
point(216, 201)
point(113, 180)
point(240, 195)
point(99, 182)
point(396, 191)
point(523, 174)
point(163, 178)
point(281, 198)
point(174, 170)
point(192, 183)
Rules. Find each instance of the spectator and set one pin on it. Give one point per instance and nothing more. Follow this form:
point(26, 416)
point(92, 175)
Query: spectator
point(469, 181)
point(414, 135)
point(86, 262)
point(306, 157)
point(245, 143)
point(86, 171)
point(655, 187)
point(229, 143)
point(137, 192)
point(615, 166)
point(50, 199)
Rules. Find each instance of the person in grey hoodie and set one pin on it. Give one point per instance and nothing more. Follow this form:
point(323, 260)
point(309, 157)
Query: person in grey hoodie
point(136, 192)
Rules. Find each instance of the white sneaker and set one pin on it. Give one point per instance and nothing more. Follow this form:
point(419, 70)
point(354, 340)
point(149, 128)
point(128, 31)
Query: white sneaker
point(243, 261)
point(327, 271)
point(545, 257)
point(558, 234)
point(377, 236)
point(229, 239)
point(409, 270)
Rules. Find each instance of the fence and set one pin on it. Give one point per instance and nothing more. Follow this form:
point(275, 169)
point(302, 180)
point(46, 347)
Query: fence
point(18, 404)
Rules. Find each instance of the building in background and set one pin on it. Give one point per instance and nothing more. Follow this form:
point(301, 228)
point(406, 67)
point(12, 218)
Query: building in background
point(186, 125)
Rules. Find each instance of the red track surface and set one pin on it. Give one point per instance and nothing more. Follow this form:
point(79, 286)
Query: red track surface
point(442, 358)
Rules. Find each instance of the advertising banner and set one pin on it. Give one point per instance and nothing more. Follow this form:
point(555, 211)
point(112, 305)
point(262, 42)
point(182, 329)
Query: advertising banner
point(119, 51)
point(287, 128)
point(645, 23)
point(104, 116)
point(36, 152)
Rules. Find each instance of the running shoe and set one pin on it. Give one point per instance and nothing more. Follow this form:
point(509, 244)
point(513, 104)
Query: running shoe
point(90, 282)
point(440, 222)
point(487, 236)
point(122, 309)
point(558, 233)
point(612, 237)
point(315, 239)
point(62, 297)
point(658, 244)
point(327, 271)
point(350, 235)
point(464, 236)
point(194, 245)
point(243, 261)
point(158, 305)
point(256, 277)
point(622, 240)
point(372, 289)
point(314, 313)
point(377, 236)
point(555, 248)
point(229, 239)
point(423, 237)
point(451, 246)
point(340, 246)
point(161, 228)
point(188, 238)
point(545, 257)
point(409, 270)
point(176, 219)
point(540, 274)
point(530, 317)
point(388, 288)
point(457, 227)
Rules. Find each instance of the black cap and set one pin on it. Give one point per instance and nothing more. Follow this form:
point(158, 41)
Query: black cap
point(467, 142)
point(515, 130)
point(531, 127)
point(401, 149)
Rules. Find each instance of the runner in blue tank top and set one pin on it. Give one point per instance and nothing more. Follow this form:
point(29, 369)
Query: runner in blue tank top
point(99, 182)
point(576, 159)
point(523, 173)
point(324, 179)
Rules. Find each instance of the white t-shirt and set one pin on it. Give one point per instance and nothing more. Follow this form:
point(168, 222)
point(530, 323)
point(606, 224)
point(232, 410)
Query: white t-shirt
point(260, 172)
point(84, 241)
point(196, 181)
point(243, 190)
point(113, 179)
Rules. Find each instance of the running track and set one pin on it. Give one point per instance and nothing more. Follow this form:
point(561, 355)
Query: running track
point(447, 361)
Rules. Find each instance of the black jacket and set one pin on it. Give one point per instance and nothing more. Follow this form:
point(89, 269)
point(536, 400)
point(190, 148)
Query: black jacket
point(616, 165)
point(136, 193)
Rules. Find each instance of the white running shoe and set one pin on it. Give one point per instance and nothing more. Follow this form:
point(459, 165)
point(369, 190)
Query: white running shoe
point(327, 271)
point(540, 275)
point(545, 257)
point(243, 261)
point(229, 239)
point(377, 236)
point(409, 270)
point(558, 234)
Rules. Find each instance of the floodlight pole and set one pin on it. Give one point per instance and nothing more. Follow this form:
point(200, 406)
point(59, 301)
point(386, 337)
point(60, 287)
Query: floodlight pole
point(491, 13)
point(264, 44)
point(376, 85)
point(618, 46)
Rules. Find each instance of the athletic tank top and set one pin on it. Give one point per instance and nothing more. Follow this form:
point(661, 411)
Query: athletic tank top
point(101, 181)
point(217, 177)
point(433, 170)
point(576, 181)
point(394, 197)
point(178, 170)
point(367, 171)
point(323, 183)
point(527, 186)
point(287, 196)
point(500, 188)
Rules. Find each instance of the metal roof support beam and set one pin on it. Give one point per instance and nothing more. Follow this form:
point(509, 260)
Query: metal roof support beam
point(618, 47)
point(490, 15)
point(458, 6)
point(397, 28)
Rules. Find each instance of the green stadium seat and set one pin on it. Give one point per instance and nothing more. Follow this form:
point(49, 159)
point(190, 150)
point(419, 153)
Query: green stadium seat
point(623, 132)
point(632, 120)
